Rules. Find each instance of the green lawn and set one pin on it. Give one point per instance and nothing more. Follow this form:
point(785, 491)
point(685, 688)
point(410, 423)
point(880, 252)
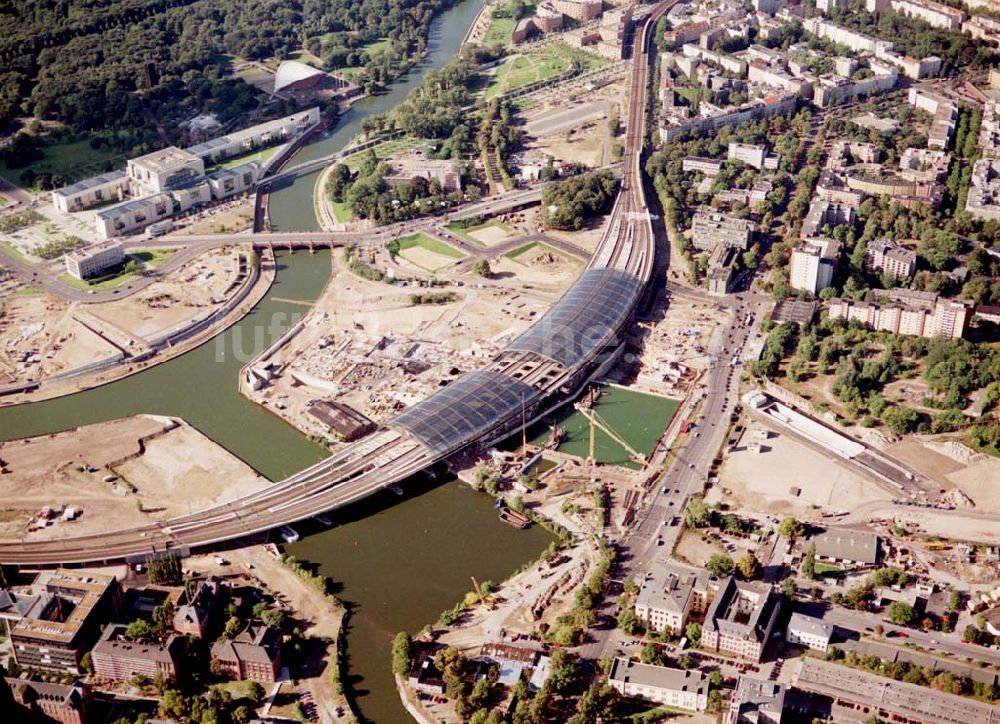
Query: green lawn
point(823, 569)
point(499, 31)
point(546, 63)
point(389, 149)
point(152, 257)
point(14, 252)
point(379, 46)
point(261, 155)
point(72, 161)
point(430, 244)
point(341, 211)
point(27, 291)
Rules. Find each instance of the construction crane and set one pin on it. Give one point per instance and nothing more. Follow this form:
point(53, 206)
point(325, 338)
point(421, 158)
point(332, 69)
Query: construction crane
point(596, 421)
point(479, 592)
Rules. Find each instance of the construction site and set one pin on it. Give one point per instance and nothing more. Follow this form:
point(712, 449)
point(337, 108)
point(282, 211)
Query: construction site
point(51, 345)
point(115, 474)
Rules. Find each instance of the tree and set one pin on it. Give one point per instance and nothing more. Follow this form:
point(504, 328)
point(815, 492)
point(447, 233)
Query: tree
point(749, 566)
point(402, 653)
point(629, 622)
point(87, 663)
point(232, 627)
point(720, 565)
point(902, 614)
point(256, 693)
point(138, 630)
point(809, 563)
point(789, 588)
point(651, 654)
point(562, 669)
point(790, 528)
point(693, 633)
point(482, 268)
point(696, 514)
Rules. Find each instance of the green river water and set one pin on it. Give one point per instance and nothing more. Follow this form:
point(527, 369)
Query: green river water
point(399, 561)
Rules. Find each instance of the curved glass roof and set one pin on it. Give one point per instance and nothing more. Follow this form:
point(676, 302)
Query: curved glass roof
point(583, 317)
point(467, 408)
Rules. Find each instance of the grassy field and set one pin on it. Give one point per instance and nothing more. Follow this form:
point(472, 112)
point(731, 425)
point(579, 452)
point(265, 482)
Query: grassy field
point(499, 31)
point(823, 569)
point(389, 149)
point(152, 257)
point(12, 251)
point(72, 161)
point(341, 211)
point(261, 155)
point(546, 63)
point(27, 292)
point(430, 244)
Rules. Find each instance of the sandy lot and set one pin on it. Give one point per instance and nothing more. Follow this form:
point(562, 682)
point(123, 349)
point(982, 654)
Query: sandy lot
point(424, 259)
point(541, 264)
point(491, 235)
point(181, 295)
point(39, 337)
point(181, 470)
point(762, 482)
point(226, 219)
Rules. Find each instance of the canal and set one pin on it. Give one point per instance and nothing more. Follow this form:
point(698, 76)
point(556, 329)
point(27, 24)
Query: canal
point(399, 561)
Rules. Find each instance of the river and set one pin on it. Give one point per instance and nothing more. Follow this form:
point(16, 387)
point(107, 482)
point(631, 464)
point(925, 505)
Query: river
point(399, 561)
point(291, 202)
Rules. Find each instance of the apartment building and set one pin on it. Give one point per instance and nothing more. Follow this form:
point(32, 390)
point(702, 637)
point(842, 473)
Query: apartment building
point(581, 10)
point(64, 619)
point(983, 199)
point(674, 122)
point(924, 165)
point(826, 213)
point(948, 318)
point(740, 619)
point(94, 260)
point(708, 166)
point(681, 688)
point(886, 256)
point(755, 701)
point(944, 112)
point(934, 14)
point(809, 631)
point(813, 264)
point(755, 155)
point(116, 658)
point(94, 191)
point(710, 228)
point(833, 90)
point(669, 594)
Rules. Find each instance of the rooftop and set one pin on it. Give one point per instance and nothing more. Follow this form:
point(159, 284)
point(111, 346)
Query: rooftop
point(917, 703)
point(632, 672)
point(668, 587)
point(848, 545)
point(802, 624)
point(166, 159)
point(48, 619)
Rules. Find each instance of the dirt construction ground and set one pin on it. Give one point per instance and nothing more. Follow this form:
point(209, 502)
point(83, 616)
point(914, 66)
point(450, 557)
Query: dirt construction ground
point(88, 469)
point(762, 482)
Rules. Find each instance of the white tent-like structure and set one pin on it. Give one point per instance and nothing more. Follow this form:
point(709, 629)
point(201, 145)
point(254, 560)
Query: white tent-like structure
point(292, 72)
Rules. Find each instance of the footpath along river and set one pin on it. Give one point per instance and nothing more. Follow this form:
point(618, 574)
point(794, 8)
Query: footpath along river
point(399, 561)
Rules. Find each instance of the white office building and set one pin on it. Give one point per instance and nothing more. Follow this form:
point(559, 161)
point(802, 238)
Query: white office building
point(90, 192)
point(132, 216)
point(813, 264)
point(94, 260)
